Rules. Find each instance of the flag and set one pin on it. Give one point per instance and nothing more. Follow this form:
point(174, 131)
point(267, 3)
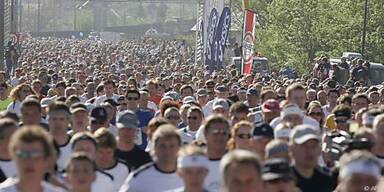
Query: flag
point(222, 34)
point(210, 45)
point(248, 40)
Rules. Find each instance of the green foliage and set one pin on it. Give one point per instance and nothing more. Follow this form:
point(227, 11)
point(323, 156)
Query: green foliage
point(297, 31)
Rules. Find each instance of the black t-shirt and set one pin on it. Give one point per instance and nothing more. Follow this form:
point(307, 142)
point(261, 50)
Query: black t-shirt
point(319, 182)
point(135, 157)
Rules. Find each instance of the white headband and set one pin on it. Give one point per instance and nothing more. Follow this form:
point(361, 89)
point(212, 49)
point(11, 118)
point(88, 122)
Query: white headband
point(192, 161)
point(362, 167)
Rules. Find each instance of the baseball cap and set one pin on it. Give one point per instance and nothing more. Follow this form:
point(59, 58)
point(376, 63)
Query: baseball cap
point(274, 169)
point(275, 147)
point(282, 131)
point(127, 119)
point(291, 109)
point(76, 107)
point(303, 133)
point(271, 105)
point(220, 103)
point(221, 89)
point(262, 130)
point(174, 95)
point(45, 102)
point(252, 91)
point(189, 99)
point(98, 115)
point(202, 92)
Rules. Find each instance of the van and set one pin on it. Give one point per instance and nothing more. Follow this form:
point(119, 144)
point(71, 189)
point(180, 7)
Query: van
point(259, 65)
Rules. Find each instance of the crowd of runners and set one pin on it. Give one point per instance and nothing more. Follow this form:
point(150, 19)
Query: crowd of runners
point(139, 116)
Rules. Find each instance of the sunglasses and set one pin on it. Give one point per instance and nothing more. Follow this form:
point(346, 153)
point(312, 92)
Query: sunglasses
point(244, 135)
point(193, 118)
point(132, 98)
point(316, 113)
point(29, 154)
point(218, 131)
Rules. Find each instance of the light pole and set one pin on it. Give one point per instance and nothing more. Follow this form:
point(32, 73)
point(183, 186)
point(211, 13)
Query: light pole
point(364, 27)
point(38, 15)
point(1, 34)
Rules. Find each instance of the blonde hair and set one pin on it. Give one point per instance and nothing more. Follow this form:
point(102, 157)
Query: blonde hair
point(29, 134)
point(231, 142)
point(14, 95)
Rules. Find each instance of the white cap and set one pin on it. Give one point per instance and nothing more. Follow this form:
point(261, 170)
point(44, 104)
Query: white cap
point(291, 110)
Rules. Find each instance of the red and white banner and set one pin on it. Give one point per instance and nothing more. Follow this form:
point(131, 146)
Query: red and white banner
point(248, 41)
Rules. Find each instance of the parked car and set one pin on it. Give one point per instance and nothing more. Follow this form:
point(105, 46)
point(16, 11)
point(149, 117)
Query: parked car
point(376, 73)
point(349, 55)
point(259, 65)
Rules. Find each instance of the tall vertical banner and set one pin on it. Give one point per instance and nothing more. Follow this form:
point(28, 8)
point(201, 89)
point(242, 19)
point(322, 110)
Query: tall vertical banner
point(248, 41)
point(222, 34)
point(209, 5)
point(210, 50)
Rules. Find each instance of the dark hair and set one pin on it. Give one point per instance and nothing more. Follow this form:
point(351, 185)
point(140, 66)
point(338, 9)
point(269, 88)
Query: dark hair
point(80, 156)
point(333, 91)
point(184, 87)
point(61, 84)
point(4, 124)
point(31, 103)
point(344, 98)
point(132, 91)
point(239, 107)
point(109, 82)
point(58, 106)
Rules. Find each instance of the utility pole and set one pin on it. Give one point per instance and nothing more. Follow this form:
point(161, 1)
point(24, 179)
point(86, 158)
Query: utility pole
point(38, 15)
point(2, 34)
point(20, 15)
point(364, 28)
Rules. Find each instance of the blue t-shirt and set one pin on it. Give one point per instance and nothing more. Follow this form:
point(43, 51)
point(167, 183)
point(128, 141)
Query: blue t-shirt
point(144, 116)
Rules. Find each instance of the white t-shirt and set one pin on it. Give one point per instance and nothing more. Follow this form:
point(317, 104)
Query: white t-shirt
point(15, 107)
point(152, 105)
point(187, 136)
point(101, 99)
point(8, 167)
point(325, 110)
point(150, 179)
point(306, 120)
point(120, 172)
point(103, 182)
point(213, 180)
point(9, 185)
point(65, 153)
